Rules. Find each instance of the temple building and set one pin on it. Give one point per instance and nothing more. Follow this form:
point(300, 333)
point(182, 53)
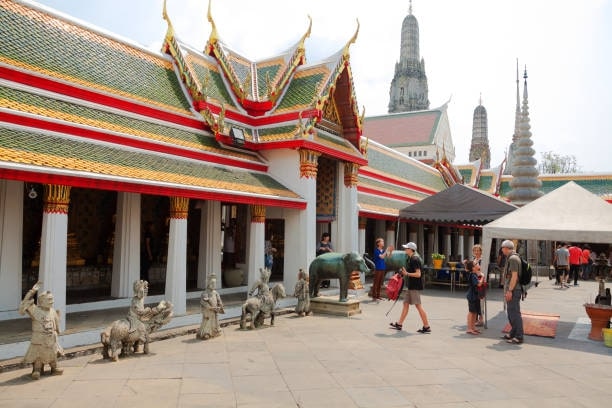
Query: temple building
point(101, 138)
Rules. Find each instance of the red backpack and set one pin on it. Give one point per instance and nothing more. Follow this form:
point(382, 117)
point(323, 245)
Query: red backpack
point(394, 286)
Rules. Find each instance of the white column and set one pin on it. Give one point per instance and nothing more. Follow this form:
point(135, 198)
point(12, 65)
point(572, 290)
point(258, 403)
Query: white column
point(210, 256)
point(53, 246)
point(413, 236)
point(176, 268)
point(346, 225)
point(448, 248)
point(11, 243)
point(256, 243)
point(363, 248)
point(421, 241)
point(390, 234)
point(460, 245)
point(126, 250)
point(471, 243)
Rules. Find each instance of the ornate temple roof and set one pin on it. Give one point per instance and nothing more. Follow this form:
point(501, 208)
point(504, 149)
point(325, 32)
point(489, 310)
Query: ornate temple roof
point(278, 102)
point(81, 107)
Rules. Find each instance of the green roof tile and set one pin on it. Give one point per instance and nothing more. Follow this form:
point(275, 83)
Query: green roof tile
point(74, 53)
point(301, 91)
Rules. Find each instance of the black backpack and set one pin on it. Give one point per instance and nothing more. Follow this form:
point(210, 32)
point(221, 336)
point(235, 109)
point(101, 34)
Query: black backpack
point(526, 272)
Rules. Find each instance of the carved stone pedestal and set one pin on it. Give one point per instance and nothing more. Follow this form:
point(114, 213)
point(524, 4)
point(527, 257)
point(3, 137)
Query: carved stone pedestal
point(332, 306)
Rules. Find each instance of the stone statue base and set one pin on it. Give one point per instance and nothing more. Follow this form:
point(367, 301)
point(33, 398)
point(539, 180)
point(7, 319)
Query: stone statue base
point(332, 306)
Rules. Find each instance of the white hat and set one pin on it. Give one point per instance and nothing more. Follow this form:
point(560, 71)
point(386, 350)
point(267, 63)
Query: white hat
point(507, 244)
point(410, 245)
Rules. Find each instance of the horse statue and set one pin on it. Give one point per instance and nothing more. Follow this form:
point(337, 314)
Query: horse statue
point(124, 336)
point(260, 309)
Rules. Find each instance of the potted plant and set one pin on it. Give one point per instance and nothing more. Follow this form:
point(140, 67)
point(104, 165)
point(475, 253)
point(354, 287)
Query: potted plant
point(437, 260)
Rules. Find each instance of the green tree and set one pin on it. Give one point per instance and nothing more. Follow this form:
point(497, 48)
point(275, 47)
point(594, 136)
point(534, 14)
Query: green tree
point(554, 163)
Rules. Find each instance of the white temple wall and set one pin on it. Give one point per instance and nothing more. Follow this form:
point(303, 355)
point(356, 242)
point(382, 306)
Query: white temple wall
point(11, 246)
point(300, 225)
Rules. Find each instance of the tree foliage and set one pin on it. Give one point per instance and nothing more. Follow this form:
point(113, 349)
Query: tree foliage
point(554, 163)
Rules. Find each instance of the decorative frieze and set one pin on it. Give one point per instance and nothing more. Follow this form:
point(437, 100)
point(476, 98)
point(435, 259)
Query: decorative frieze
point(179, 207)
point(56, 199)
point(258, 214)
point(308, 163)
point(350, 174)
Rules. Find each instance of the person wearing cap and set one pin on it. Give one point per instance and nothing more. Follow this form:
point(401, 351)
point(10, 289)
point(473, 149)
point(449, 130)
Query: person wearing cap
point(412, 295)
point(513, 293)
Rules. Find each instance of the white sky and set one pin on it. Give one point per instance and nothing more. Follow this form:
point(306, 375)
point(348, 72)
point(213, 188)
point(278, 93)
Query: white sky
point(470, 47)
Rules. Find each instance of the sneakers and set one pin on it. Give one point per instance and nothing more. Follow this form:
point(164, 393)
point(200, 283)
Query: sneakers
point(425, 330)
point(515, 340)
point(506, 337)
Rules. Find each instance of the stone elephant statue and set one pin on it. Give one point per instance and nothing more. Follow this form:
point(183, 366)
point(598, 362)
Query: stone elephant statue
point(335, 265)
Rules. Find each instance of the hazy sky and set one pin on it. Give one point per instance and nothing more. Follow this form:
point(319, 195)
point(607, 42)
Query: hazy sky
point(470, 48)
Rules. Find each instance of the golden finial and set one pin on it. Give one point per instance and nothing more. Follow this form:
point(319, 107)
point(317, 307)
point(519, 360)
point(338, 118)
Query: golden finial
point(351, 41)
point(307, 33)
point(214, 36)
point(170, 30)
point(362, 115)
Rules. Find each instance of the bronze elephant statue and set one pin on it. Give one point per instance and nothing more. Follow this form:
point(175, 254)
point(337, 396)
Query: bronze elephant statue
point(335, 265)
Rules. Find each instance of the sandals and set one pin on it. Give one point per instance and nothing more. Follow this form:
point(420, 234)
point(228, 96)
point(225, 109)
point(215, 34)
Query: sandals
point(425, 330)
point(396, 326)
point(474, 332)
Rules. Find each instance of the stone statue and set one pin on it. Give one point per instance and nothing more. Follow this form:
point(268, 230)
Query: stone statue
point(301, 293)
point(211, 305)
point(44, 347)
point(124, 336)
point(260, 287)
point(262, 306)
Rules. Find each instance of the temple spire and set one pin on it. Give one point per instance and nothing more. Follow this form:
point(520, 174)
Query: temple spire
point(525, 183)
point(479, 149)
point(409, 91)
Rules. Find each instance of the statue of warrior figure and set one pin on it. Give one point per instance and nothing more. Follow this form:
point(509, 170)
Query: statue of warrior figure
point(260, 287)
point(211, 305)
point(44, 347)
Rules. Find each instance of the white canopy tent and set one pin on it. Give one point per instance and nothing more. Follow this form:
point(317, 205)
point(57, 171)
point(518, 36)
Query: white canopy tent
point(569, 213)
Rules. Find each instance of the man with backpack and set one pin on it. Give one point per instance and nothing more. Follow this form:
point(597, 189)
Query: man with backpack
point(412, 295)
point(513, 293)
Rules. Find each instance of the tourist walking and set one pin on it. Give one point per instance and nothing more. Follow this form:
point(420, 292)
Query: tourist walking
point(513, 293)
point(412, 294)
point(575, 256)
point(561, 262)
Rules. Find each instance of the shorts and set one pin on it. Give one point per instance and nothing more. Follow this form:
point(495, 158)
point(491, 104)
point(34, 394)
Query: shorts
point(474, 306)
point(412, 296)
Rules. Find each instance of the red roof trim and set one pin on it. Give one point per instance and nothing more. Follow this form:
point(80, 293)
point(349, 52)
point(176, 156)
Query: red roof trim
point(96, 97)
point(386, 179)
point(259, 121)
point(126, 141)
point(385, 194)
point(296, 144)
point(114, 185)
